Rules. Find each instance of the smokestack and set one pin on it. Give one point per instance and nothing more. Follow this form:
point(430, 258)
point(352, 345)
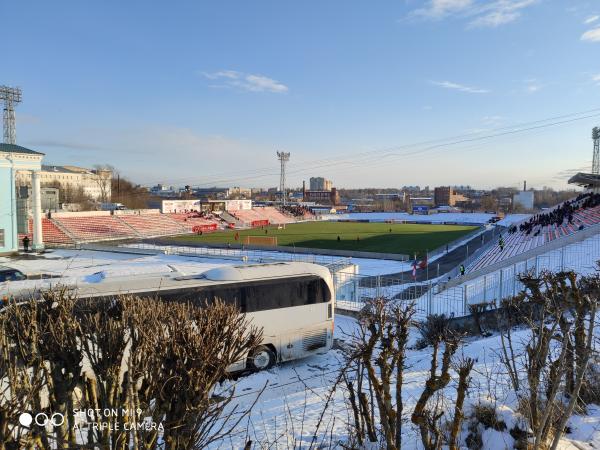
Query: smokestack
point(525, 185)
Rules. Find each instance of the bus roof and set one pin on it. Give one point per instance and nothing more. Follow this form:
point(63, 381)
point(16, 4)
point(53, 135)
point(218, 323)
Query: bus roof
point(169, 281)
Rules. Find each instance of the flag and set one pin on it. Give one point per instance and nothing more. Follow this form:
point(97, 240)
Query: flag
point(423, 263)
point(414, 272)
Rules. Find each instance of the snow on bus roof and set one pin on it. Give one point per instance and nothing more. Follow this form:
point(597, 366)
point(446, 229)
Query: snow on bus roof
point(259, 271)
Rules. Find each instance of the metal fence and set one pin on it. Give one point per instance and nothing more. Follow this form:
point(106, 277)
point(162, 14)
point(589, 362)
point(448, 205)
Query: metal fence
point(436, 298)
point(258, 256)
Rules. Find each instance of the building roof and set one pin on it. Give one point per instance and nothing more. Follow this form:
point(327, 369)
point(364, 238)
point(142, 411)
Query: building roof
point(61, 169)
point(585, 179)
point(12, 148)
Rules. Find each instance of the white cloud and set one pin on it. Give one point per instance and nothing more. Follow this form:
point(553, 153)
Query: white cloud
point(246, 81)
point(592, 35)
point(441, 8)
point(460, 87)
point(591, 19)
point(596, 79)
point(532, 85)
point(480, 13)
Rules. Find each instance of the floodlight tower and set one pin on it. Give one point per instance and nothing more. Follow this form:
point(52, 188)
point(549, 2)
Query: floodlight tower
point(10, 96)
point(596, 160)
point(283, 159)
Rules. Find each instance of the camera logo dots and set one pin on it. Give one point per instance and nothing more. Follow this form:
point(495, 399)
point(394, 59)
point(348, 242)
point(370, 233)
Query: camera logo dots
point(25, 419)
point(41, 419)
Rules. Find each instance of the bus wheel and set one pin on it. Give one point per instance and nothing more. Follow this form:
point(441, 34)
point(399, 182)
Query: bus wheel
point(261, 358)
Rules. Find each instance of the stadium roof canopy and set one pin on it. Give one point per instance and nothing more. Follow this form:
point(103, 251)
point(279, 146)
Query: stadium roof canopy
point(12, 148)
point(587, 180)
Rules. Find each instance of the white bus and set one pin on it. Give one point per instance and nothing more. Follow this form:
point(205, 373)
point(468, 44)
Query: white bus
point(293, 303)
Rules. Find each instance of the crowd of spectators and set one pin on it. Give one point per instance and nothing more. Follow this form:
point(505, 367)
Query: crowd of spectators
point(296, 210)
point(558, 215)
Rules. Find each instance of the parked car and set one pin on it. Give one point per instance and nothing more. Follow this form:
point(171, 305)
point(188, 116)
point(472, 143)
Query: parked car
point(10, 274)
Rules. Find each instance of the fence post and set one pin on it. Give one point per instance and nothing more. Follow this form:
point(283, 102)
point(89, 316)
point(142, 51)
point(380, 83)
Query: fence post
point(378, 286)
point(429, 300)
point(537, 265)
point(514, 280)
point(484, 288)
point(500, 287)
point(465, 301)
point(562, 259)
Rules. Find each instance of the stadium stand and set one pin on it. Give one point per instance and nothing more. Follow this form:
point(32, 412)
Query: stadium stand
point(562, 220)
point(53, 234)
point(194, 222)
point(96, 228)
point(249, 216)
point(65, 229)
point(259, 216)
point(153, 225)
point(298, 212)
point(274, 216)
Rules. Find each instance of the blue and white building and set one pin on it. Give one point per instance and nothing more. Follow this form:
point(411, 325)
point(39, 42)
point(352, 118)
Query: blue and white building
point(13, 159)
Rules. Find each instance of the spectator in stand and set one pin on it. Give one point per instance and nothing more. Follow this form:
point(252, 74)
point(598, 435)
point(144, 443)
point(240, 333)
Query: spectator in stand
point(558, 215)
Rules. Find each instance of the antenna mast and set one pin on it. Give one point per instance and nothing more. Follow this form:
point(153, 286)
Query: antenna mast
point(10, 96)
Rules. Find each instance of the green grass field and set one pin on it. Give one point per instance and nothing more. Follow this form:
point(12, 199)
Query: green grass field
point(368, 237)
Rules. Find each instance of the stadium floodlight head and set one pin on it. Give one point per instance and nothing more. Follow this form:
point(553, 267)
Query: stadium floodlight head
point(10, 96)
point(596, 158)
point(283, 159)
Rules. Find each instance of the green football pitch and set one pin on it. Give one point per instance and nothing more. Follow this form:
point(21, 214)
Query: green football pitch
point(406, 239)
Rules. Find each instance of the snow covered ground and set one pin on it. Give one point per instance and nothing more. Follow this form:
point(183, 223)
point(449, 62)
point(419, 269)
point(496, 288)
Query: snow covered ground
point(292, 404)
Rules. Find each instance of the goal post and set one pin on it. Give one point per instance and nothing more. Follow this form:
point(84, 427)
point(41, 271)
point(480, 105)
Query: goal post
point(260, 240)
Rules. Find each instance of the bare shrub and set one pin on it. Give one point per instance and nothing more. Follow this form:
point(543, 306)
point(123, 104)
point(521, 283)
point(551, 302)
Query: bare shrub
point(143, 358)
point(559, 311)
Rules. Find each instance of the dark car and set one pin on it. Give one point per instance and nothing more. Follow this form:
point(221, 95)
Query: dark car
point(10, 274)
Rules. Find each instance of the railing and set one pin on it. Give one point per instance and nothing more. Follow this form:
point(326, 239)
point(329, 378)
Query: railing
point(456, 242)
point(490, 287)
point(555, 244)
point(256, 256)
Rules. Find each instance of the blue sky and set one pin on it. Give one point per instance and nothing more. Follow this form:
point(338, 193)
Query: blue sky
point(203, 93)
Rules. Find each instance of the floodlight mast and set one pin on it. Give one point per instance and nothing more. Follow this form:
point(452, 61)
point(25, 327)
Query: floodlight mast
point(596, 159)
point(10, 96)
point(283, 159)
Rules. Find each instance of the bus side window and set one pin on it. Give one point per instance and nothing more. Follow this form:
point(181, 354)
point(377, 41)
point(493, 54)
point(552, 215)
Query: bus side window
point(325, 292)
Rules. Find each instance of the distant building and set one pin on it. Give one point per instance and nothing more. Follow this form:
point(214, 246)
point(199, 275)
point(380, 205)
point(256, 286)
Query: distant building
point(320, 184)
point(213, 192)
point(95, 183)
point(423, 201)
point(447, 196)
point(160, 190)
point(184, 206)
point(331, 197)
point(523, 198)
point(241, 192)
point(395, 196)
